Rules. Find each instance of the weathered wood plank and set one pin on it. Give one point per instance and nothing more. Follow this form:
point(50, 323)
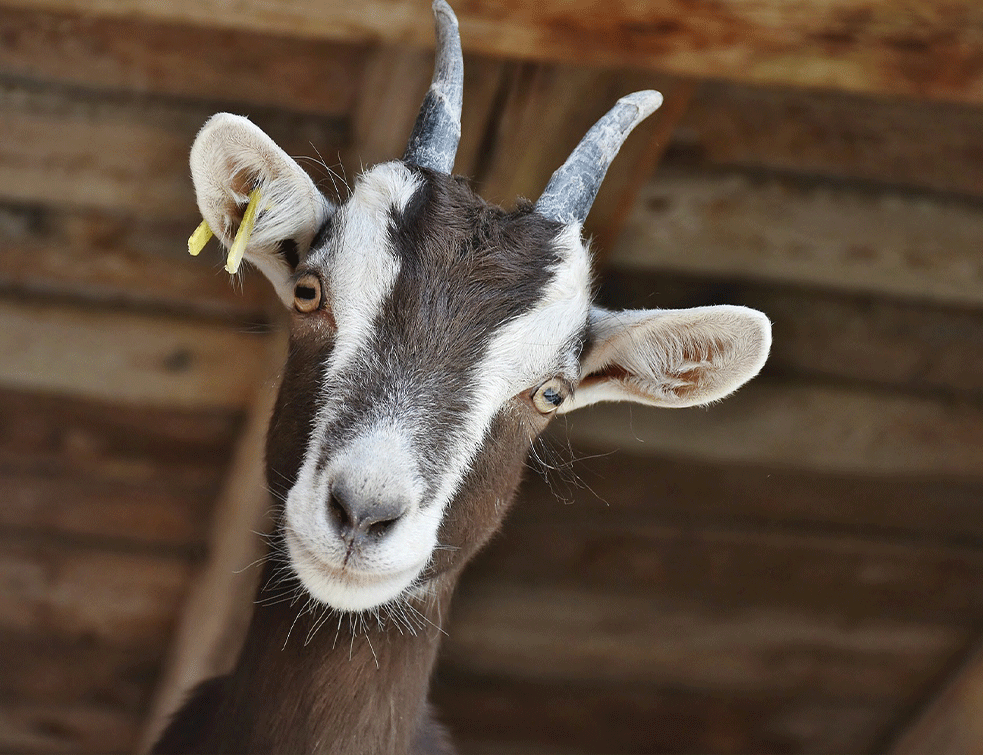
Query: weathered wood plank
point(128, 358)
point(131, 157)
point(903, 142)
point(72, 728)
point(805, 426)
point(86, 670)
point(838, 576)
point(106, 512)
point(502, 715)
point(215, 615)
point(58, 590)
point(926, 50)
point(218, 65)
point(769, 228)
point(950, 724)
point(112, 260)
point(556, 634)
point(667, 489)
point(113, 444)
point(906, 346)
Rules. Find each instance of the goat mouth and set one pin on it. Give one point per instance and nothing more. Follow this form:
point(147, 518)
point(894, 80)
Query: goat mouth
point(345, 587)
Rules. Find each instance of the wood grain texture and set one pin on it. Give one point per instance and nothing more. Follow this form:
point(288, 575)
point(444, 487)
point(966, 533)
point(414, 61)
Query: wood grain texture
point(75, 695)
point(127, 155)
point(496, 714)
point(130, 55)
point(804, 426)
point(675, 491)
point(73, 728)
point(114, 444)
point(114, 597)
point(556, 634)
point(128, 358)
point(927, 49)
point(214, 617)
point(121, 261)
point(849, 239)
point(843, 577)
point(173, 517)
point(913, 143)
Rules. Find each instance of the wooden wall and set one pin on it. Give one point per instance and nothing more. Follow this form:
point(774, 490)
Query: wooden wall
point(799, 569)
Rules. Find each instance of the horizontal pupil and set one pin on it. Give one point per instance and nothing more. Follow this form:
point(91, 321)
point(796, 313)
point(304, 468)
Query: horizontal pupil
point(305, 292)
point(552, 397)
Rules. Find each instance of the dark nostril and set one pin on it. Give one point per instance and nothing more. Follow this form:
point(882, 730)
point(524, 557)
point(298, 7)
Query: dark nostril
point(381, 529)
point(339, 511)
point(357, 519)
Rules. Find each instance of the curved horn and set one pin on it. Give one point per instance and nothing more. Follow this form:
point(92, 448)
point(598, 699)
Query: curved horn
point(433, 143)
point(572, 189)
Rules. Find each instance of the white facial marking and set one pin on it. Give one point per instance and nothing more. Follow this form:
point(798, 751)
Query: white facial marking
point(362, 271)
point(380, 465)
point(529, 349)
point(362, 267)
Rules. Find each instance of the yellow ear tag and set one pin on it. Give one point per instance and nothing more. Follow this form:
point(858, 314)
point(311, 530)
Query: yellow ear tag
point(199, 238)
point(238, 247)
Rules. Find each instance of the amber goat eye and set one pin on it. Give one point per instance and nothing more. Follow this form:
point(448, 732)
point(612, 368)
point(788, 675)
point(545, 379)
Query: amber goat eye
point(307, 293)
point(548, 397)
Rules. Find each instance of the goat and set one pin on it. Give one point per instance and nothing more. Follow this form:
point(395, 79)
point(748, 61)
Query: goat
point(432, 338)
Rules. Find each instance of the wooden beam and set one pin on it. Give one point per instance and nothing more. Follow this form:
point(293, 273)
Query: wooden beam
point(62, 591)
point(107, 513)
point(847, 239)
point(625, 550)
point(71, 728)
point(51, 254)
point(671, 490)
point(216, 612)
point(111, 443)
point(929, 49)
point(951, 722)
point(96, 151)
point(804, 426)
point(218, 65)
point(925, 145)
point(490, 714)
point(548, 633)
point(127, 358)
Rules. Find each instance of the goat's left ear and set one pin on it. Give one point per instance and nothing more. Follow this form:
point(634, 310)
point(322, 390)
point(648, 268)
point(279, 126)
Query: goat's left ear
point(230, 158)
point(670, 358)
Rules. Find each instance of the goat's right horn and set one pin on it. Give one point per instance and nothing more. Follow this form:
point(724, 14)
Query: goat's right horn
point(437, 131)
point(571, 191)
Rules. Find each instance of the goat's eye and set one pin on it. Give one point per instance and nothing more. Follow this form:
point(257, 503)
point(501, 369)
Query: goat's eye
point(548, 397)
point(307, 293)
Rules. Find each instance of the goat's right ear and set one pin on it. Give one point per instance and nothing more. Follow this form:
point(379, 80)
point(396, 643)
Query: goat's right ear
point(230, 158)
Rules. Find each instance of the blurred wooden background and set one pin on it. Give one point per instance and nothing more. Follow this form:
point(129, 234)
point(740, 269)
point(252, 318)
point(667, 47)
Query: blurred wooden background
point(799, 569)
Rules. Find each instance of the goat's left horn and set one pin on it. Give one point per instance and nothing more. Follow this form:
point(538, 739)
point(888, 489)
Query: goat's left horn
point(571, 191)
point(433, 143)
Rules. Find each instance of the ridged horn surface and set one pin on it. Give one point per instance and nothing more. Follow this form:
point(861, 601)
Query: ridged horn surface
point(571, 191)
point(437, 131)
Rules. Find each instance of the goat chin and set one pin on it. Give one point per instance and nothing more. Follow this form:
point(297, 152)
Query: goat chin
point(347, 589)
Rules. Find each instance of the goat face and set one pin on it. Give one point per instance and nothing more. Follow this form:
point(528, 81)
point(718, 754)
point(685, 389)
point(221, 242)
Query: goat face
point(433, 336)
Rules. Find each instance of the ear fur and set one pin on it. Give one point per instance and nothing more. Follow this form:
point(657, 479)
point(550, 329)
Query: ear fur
point(671, 358)
point(230, 157)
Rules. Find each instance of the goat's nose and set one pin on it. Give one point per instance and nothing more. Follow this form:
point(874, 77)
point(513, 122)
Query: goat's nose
point(360, 518)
